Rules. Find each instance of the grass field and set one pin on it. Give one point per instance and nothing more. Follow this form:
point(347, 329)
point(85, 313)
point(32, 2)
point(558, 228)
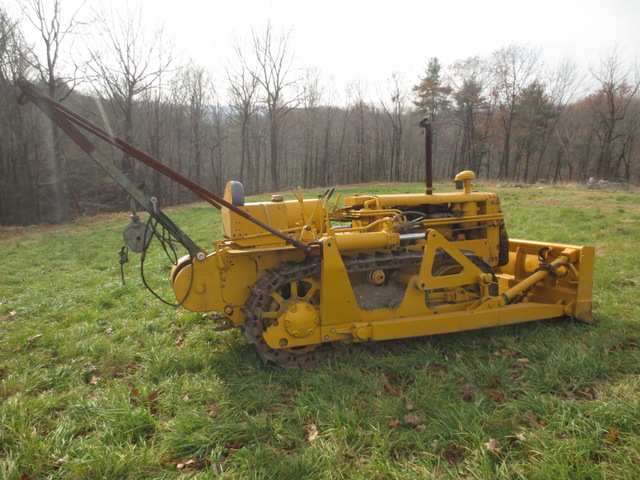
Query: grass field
point(101, 380)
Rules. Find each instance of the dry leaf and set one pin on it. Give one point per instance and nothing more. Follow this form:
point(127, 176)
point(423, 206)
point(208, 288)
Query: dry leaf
point(611, 436)
point(311, 432)
point(393, 423)
point(534, 421)
point(453, 454)
point(389, 387)
point(34, 338)
point(191, 465)
point(134, 396)
point(234, 445)
point(213, 410)
point(495, 395)
point(504, 353)
point(522, 362)
point(495, 382)
point(466, 393)
point(180, 339)
point(414, 419)
point(286, 397)
point(493, 446)
point(94, 380)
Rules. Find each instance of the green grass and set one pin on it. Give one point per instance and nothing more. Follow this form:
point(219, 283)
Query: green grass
point(100, 380)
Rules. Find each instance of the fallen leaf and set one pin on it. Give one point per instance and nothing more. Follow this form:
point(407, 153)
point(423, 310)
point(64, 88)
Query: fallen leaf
point(132, 367)
point(409, 406)
point(393, 423)
point(180, 339)
point(311, 432)
point(466, 393)
point(109, 331)
point(286, 397)
point(389, 387)
point(504, 353)
point(94, 380)
point(234, 445)
point(134, 396)
point(495, 395)
point(611, 436)
point(12, 313)
point(34, 338)
point(192, 465)
point(213, 410)
point(453, 454)
point(518, 437)
point(58, 462)
point(533, 419)
point(493, 446)
point(495, 382)
point(414, 419)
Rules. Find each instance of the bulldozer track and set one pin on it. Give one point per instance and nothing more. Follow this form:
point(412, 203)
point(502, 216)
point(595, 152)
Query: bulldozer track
point(288, 272)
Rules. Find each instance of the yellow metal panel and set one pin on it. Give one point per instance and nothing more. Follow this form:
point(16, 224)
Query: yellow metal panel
point(470, 273)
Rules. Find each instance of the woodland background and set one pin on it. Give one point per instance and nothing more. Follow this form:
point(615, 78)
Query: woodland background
point(267, 122)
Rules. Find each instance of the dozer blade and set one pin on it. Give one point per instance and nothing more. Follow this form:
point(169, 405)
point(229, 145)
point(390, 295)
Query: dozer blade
point(550, 274)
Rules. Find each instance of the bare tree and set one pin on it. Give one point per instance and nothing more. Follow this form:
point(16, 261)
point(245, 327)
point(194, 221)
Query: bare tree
point(473, 110)
point(18, 197)
point(242, 96)
point(515, 68)
point(132, 57)
point(358, 114)
point(198, 86)
point(617, 91)
point(395, 109)
point(54, 28)
point(273, 71)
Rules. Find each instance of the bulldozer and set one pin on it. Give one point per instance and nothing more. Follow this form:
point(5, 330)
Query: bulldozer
point(303, 276)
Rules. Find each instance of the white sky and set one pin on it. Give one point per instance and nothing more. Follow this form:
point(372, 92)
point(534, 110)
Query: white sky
point(350, 39)
point(368, 40)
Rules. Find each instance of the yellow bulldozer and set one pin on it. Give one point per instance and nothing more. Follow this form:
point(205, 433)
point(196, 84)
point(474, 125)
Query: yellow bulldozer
point(304, 275)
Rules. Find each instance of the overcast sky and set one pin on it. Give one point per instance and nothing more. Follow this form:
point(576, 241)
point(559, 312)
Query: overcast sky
point(351, 39)
point(368, 40)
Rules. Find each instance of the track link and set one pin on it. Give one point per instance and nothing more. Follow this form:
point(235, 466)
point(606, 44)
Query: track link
point(288, 272)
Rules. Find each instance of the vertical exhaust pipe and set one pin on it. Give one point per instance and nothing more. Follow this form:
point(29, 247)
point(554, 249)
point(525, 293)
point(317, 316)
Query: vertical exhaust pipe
point(428, 156)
